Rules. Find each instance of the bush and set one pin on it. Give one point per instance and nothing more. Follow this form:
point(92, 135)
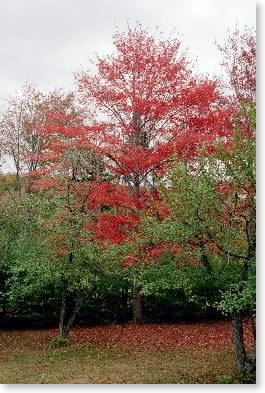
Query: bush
point(59, 341)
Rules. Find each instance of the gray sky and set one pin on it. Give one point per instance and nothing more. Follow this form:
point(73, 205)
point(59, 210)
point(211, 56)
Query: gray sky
point(45, 41)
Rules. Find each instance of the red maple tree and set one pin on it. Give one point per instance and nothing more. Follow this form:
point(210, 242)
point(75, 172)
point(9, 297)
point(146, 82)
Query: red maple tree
point(153, 108)
point(147, 106)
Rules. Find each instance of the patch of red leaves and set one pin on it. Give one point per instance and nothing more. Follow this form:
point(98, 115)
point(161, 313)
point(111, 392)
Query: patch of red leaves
point(161, 337)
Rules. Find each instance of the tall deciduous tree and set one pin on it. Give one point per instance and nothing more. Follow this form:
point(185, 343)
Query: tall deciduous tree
point(148, 105)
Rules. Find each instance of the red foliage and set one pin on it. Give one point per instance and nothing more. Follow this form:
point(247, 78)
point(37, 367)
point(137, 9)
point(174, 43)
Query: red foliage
point(153, 107)
point(153, 252)
point(151, 77)
point(114, 228)
point(130, 260)
point(61, 251)
point(106, 194)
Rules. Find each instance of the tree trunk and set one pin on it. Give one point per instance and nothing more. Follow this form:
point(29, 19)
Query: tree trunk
point(244, 365)
point(74, 315)
point(137, 304)
point(18, 181)
point(62, 332)
point(66, 322)
point(239, 343)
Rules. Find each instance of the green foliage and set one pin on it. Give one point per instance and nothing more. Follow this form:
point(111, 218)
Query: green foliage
point(212, 218)
point(239, 298)
point(225, 379)
point(24, 264)
point(59, 342)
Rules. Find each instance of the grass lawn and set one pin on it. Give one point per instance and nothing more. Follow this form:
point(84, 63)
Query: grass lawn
point(144, 354)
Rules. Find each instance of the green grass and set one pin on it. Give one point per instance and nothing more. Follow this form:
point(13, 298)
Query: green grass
point(23, 361)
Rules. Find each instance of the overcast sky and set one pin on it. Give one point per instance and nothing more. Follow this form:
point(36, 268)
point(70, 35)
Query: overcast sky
point(45, 41)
